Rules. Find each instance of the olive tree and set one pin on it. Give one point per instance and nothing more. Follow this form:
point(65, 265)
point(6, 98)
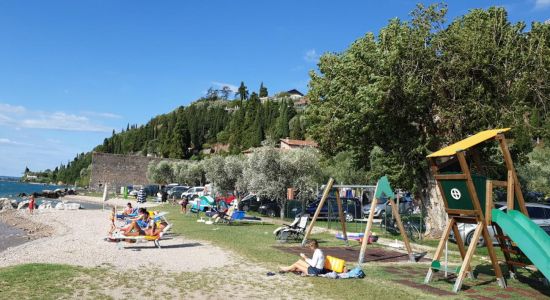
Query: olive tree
point(268, 172)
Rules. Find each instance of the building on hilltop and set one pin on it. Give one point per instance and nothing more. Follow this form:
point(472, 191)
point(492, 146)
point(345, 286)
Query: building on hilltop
point(288, 144)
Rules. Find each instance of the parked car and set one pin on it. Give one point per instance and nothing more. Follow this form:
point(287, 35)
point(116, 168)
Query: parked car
point(250, 202)
point(351, 206)
point(193, 192)
point(264, 206)
point(177, 191)
point(538, 213)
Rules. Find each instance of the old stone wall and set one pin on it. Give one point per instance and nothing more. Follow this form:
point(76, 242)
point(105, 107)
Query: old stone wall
point(119, 170)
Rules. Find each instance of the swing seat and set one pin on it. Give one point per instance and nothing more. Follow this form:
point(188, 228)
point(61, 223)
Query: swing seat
point(436, 266)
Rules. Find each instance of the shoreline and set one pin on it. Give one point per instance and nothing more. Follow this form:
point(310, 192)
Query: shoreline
point(20, 229)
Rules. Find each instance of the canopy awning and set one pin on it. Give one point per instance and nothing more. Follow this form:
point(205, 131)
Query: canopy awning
point(466, 143)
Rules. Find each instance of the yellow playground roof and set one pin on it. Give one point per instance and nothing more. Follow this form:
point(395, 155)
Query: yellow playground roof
point(468, 142)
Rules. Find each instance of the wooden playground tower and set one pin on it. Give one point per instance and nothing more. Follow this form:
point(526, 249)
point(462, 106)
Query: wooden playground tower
point(383, 188)
point(468, 199)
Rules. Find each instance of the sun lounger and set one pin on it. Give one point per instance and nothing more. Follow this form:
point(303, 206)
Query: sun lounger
point(141, 238)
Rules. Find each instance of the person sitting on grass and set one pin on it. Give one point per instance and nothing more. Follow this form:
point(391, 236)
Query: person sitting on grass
point(307, 266)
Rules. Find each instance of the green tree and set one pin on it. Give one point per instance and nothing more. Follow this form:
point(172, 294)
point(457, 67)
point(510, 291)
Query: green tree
point(263, 91)
point(417, 86)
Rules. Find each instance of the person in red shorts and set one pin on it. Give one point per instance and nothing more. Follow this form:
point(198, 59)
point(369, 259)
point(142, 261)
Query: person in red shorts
point(31, 204)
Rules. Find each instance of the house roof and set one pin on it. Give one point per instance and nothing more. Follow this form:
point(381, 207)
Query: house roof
point(295, 92)
point(468, 142)
point(299, 143)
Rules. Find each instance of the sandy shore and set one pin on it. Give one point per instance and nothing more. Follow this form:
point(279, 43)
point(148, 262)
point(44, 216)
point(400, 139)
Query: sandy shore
point(77, 238)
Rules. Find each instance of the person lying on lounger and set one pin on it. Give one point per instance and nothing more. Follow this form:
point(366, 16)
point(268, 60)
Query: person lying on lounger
point(141, 221)
point(154, 229)
point(306, 266)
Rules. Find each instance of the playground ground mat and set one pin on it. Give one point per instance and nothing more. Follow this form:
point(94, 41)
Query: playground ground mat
point(351, 254)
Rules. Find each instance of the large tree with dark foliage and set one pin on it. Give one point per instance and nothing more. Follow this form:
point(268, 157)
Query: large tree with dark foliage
point(418, 85)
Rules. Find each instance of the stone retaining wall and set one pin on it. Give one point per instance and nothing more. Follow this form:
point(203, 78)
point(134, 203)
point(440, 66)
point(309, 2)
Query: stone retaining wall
point(119, 170)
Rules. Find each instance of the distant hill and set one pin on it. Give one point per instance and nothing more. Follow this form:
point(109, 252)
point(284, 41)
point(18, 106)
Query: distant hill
point(9, 178)
point(207, 123)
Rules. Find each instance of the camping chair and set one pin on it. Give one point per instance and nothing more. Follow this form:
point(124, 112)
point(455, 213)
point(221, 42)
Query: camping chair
point(295, 232)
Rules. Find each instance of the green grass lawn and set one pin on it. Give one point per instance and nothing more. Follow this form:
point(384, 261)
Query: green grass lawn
point(255, 242)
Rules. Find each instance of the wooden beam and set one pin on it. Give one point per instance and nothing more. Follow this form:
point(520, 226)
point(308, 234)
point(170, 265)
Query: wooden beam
point(397, 216)
point(460, 244)
point(500, 183)
point(468, 257)
point(440, 247)
point(510, 167)
point(510, 191)
point(367, 230)
point(342, 218)
point(470, 183)
point(489, 243)
point(450, 177)
point(462, 212)
point(435, 171)
point(321, 203)
point(488, 201)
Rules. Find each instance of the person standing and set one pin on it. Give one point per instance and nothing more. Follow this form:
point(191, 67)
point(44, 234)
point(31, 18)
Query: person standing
point(31, 204)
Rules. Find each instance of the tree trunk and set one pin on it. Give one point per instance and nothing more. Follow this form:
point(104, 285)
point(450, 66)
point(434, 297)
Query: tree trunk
point(434, 209)
point(282, 205)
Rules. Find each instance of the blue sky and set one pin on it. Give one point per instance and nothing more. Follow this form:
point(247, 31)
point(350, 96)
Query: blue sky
point(72, 71)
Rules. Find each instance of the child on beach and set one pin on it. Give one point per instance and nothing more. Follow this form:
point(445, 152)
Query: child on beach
point(112, 218)
point(31, 204)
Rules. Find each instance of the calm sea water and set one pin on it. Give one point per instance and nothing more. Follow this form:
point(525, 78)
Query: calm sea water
point(9, 189)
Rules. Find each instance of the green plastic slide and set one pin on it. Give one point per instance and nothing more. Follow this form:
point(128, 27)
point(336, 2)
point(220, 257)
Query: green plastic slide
point(528, 236)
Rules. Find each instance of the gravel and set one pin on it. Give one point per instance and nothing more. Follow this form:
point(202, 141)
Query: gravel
point(78, 238)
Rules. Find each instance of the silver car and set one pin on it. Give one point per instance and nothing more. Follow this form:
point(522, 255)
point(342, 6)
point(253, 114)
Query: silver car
point(539, 214)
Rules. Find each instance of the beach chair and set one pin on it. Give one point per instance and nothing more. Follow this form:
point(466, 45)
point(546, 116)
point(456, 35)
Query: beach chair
point(142, 238)
point(294, 231)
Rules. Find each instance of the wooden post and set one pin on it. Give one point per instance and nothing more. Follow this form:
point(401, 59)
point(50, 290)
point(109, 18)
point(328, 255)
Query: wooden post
point(469, 183)
point(469, 255)
point(342, 218)
point(397, 216)
point(321, 203)
point(364, 243)
point(461, 248)
point(488, 201)
point(440, 246)
point(510, 191)
point(510, 167)
point(489, 243)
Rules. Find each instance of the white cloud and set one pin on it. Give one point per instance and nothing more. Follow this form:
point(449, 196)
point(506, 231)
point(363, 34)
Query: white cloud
point(542, 4)
point(21, 117)
point(106, 115)
point(311, 56)
point(62, 121)
point(7, 141)
point(233, 88)
point(11, 108)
